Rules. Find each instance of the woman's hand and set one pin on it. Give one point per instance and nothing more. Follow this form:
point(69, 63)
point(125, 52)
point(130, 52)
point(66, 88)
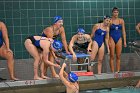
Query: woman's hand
point(125, 45)
point(58, 66)
point(68, 52)
point(9, 50)
point(89, 49)
point(108, 51)
point(64, 65)
point(57, 60)
point(74, 57)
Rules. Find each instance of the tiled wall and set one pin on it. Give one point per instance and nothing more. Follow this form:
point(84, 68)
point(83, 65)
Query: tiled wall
point(29, 17)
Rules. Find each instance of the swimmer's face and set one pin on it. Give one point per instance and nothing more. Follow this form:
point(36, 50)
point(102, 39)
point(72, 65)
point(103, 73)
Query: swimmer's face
point(59, 23)
point(80, 35)
point(107, 21)
point(115, 13)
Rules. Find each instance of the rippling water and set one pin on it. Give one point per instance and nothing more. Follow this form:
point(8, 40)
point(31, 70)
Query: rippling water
point(130, 89)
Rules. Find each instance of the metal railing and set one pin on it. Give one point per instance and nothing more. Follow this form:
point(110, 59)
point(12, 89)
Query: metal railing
point(135, 46)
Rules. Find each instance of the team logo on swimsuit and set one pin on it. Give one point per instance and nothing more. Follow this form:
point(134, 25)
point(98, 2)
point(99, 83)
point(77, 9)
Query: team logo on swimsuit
point(116, 28)
point(102, 33)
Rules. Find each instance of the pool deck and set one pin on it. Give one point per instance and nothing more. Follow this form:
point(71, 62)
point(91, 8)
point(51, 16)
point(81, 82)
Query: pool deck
point(54, 85)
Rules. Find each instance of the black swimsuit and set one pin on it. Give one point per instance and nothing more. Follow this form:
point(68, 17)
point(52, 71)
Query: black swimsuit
point(35, 42)
point(54, 37)
point(81, 47)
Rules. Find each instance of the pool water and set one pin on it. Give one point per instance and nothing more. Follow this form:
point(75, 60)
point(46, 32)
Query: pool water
point(115, 90)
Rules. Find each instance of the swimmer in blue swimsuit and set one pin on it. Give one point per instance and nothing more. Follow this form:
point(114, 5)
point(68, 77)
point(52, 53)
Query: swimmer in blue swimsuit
point(54, 31)
point(5, 51)
point(46, 45)
point(100, 34)
point(117, 30)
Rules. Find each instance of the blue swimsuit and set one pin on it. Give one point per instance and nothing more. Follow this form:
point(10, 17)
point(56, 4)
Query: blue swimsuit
point(1, 39)
point(99, 37)
point(115, 32)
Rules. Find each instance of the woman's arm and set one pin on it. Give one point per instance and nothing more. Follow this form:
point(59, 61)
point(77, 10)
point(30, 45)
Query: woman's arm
point(45, 46)
point(63, 37)
point(93, 30)
point(61, 75)
point(107, 40)
point(52, 52)
point(124, 33)
point(71, 47)
point(90, 42)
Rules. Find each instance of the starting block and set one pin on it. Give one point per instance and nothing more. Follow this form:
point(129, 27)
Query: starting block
point(79, 55)
point(84, 73)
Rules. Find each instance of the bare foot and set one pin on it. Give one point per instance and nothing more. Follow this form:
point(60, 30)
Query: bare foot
point(38, 78)
point(44, 77)
point(99, 73)
point(117, 72)
point(56, 76)
point(15, 79)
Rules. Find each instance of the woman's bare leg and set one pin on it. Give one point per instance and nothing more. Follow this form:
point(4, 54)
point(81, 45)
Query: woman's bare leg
point(118, 54)
point(10, 61)
point(100, 58)
point(34, 53)
point(93, 53)
point(112, 49)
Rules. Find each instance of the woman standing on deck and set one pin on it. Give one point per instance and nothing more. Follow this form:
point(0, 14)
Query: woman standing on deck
point(117, 29)
point(100, 33)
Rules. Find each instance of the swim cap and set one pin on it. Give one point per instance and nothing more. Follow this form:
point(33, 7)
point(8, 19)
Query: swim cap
point(81, 30)
point(72, 77)
point(56, 18)
point(57, 45)
point(107, 16)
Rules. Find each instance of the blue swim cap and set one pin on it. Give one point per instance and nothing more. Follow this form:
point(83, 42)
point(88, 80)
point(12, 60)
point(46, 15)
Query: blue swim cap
point(57, 45)
point(56, 18)
point(81, 30)
point(72, 77)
